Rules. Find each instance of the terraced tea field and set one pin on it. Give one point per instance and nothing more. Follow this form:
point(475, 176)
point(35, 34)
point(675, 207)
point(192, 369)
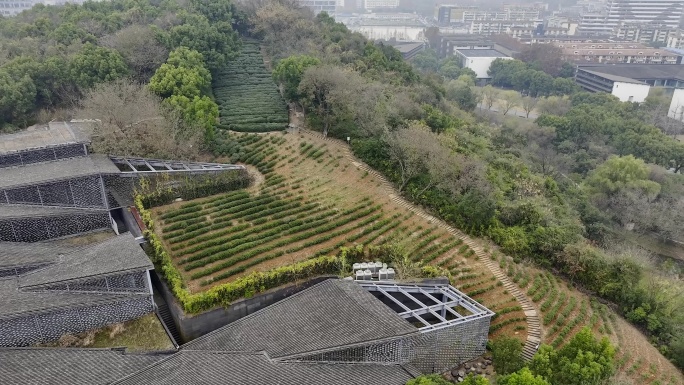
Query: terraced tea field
point(310, 199)
point(247, 97)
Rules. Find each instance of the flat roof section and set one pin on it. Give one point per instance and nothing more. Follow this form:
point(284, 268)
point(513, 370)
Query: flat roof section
point(481, 53)
point(56, 170)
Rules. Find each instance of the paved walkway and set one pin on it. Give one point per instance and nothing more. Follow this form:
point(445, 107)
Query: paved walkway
point(534, 331)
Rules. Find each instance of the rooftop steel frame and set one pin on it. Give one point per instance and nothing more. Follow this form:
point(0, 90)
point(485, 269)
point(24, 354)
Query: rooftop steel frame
point(143, 165)
point(443, 308)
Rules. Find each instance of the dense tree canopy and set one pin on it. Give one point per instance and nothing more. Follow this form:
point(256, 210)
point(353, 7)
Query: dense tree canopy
point(51, 56)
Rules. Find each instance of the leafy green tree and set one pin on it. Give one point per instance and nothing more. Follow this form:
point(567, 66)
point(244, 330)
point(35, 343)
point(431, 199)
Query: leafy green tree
point(582, 361)
point(507, 355)
point(474, 380)
point(17, 96)
point(213, 10)
point(217, 42)
point(67, 33)
point(289, 72)
point(462, 94)
point(199, 111)
point(94, 65)
point(183, 74)
point(432, 379)
point(522, 377)
point(426, 61)
point(621, 173)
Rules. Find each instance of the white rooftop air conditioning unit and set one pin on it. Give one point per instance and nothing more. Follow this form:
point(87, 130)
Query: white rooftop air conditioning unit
point(382, 274)
point(359, 275)
point(390, 273)
point(367, 275)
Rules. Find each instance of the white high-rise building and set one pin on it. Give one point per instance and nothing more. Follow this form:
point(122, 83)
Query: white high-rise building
point(661, 12)
point(664, 13)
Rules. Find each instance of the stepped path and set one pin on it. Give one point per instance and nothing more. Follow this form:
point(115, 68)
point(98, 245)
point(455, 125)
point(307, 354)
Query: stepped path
point(534, 331)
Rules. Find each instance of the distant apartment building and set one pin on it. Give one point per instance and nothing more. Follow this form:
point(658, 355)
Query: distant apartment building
point(12, 7)
point(663, 12)
point(675, 39)
point(450, 43)
point(380, 4)
point(594, 24)
point(625, 16)
point(15, 7)
point(643, 33)
point(502, 27)
point(613, 53)
point(387, 26)
point(447, 14)
point(479, 60)
point(318, 6)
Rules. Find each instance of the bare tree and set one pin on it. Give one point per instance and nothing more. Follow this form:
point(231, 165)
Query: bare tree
point(132, 121)
point(407, 149)
point(528, 104)
point(286, 27)
point(489, 95)
point(554, 105)
point(139, 46)
point(508, 101)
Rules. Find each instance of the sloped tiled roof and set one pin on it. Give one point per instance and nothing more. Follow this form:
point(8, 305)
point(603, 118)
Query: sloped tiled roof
point(238, 368)
point(116, 254)
point(60, 169)
point(72, 366)
point(15, 302)
point(330, 314)
point(21, 253)
point(18, 211)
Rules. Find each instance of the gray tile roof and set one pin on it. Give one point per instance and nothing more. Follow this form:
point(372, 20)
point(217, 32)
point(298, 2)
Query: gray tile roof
point(48, 366)
point(614, 78)
point(330, 314)
point(226, 368)
point(39, 136)
point(117, 254)
point(20, 253)
point(14, 302)
point(61, 169)
point(481, 53)
point(638, 71)
point(17, 211)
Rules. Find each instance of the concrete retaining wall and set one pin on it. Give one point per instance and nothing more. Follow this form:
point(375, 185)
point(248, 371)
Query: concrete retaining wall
point(193, 326)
